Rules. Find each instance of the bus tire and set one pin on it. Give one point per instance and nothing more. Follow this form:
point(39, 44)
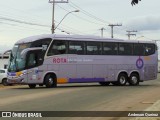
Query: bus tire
point(122, 79)
point(50, 81)
point(134, 79)
point(32, 86)
point(4, 82)
point(104, 83)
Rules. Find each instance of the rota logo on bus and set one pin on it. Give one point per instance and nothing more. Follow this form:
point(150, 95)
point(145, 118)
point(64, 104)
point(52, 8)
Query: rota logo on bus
point(60, 60)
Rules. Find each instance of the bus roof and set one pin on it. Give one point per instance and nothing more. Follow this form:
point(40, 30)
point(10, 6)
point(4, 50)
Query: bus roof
point(76, 37)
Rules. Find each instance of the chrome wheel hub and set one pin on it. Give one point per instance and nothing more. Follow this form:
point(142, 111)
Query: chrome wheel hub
point(134, 79)
point(50, 81)
point(122, 80)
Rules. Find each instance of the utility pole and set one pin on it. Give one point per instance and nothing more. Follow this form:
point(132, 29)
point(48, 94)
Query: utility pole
point(53, 24)
point(130, 33)
point(53, 2)
point(113, 25)
point(102, 29)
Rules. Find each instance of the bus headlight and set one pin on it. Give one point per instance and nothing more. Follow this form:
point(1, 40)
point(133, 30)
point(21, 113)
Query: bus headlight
point(18, 73)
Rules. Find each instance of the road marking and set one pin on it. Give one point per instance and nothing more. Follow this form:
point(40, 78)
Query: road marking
point(147, 102)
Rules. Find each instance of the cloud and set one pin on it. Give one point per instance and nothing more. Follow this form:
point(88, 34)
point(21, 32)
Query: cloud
point(147, 23)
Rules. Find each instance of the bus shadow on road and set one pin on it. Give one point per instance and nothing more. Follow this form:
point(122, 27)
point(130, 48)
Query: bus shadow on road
point(89, 86)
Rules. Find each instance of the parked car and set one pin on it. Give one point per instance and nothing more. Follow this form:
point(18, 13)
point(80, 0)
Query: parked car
point(3, 76)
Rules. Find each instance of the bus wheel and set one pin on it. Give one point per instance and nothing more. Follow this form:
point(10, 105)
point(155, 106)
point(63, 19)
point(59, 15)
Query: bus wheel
point(134, 79)
point(4, 82)
point(50, 81)
point(104, 83)
point(122, 79)
point(32, 85)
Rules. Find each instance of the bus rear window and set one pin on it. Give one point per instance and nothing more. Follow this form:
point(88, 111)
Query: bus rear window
point(149, 49)
point(144, 49)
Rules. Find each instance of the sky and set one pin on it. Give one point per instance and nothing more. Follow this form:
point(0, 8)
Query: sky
point(24, 18)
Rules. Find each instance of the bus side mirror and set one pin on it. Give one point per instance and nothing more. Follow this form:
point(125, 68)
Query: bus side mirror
point(25, 51)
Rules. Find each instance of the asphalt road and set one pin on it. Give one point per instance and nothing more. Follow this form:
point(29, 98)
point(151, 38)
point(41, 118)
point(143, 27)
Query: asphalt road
point(80, 97)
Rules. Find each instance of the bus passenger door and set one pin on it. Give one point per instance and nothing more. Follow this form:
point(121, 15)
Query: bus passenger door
point(34, 59)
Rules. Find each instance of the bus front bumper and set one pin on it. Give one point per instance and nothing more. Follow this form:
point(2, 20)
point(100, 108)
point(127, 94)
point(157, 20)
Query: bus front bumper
point(16, 81)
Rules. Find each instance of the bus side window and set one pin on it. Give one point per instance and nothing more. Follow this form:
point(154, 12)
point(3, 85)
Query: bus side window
point(110, 48)
point(41, 42)
point(58, 47)
point(125, 49)
point(139, 49)
point(76, 47)
point(94, 48)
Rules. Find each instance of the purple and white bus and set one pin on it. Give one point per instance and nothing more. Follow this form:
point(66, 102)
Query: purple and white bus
point(57, 59)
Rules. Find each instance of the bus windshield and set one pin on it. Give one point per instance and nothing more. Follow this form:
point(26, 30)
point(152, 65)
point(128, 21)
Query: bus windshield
point(16, 63)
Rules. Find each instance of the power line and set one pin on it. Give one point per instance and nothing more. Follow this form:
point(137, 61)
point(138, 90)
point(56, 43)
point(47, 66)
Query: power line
point(20, 16)
point(88, 14)
point(10, 17)
point(84, 19)
point(19, 26)
point(28, 23)
point(79, 18)
point(92, 16)
point(23, 22)
point(68, 27)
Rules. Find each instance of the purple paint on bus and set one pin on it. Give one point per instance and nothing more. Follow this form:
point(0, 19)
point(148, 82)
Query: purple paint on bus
point(79, 80)
point(12, 74)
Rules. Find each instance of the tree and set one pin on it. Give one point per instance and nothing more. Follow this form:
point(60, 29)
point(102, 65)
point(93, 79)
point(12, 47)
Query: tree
point(134, 2)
